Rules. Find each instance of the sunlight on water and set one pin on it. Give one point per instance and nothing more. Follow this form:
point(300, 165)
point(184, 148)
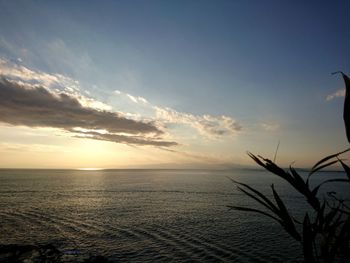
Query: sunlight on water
point(89, 169)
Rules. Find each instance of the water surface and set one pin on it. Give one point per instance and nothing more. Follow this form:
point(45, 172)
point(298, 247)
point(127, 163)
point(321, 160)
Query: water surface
point(146, 215)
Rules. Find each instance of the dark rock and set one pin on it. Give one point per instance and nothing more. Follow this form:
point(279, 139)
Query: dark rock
point(45, 254)
point(29, 254)
point(97, 259)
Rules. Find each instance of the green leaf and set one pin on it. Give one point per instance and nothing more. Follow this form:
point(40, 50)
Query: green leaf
point(332, 219)
point(256, 159)
point(288, 222)
point(273, 168)
point(300, 185)
point(342, 238)
point(270, 166)
point(328, 158)
point(329, 181)
point(346, 168)
point(280, 204)
point(321, 167)
point(303, 188)
point(346, 111)
point(308, 240)
point(320, 217)
point(315, 190)
point(263, 199)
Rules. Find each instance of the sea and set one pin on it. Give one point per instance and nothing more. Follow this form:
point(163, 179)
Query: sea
point(150, 215)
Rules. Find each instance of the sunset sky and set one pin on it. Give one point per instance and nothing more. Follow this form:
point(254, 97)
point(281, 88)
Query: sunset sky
point(171, 84)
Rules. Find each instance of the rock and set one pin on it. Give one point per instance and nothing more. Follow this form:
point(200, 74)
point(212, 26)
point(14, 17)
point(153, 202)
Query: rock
point(97, 259)
point(29, 254)
point(45, 254)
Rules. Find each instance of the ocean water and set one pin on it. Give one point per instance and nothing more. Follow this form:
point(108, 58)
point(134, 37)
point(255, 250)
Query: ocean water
point(147, 215)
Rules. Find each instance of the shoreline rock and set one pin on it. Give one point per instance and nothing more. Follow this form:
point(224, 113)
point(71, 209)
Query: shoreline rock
point(44, 254)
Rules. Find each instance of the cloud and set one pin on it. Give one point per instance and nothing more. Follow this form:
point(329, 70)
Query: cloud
point(38, 104)
point(17, 147)
point(138, 100)
point(207, 125)
point(134, 99)
point(270, 126)
point(54, 82)
point(135, 140)
point(38, 107)
point(118, 92)
point(337, 94)
point(17, 72)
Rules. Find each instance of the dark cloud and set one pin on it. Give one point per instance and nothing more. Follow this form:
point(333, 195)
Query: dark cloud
point(39, 107)
point(136, 140)
point(220, 129)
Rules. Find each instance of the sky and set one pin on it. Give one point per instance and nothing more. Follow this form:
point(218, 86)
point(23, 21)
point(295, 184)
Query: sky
point(171, 84)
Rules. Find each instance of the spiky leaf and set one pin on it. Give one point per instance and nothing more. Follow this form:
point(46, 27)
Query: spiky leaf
point(308, 240)
point(321, 167)
point(346, 168)
point(256, 195)
point(288, 222)
point(325, 159)
point(346, 112)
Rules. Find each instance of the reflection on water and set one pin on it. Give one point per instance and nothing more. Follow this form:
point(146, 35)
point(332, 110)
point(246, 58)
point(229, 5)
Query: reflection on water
point(144, 215)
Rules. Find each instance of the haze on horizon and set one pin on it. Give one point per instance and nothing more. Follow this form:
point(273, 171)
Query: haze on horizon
point(170, 84)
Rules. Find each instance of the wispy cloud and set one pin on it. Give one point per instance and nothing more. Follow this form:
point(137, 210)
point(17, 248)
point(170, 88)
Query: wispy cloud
point(31, 147)
point(337, 94)
point(42, 100)
point(207, 125)
point(18, 72)
point(270, 126)
point(138, 100)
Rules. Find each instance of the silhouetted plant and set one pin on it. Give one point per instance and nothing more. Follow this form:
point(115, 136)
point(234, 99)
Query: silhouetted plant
point(324, 231)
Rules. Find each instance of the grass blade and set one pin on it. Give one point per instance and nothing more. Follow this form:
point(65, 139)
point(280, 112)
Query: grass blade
point(263, 199)
point(346, 111)
point(329, 181)
point(346, 168)
point(325, 159)
point(288, 222)
point(270, 166)
point(307, 240)
point(274, 210)
point(321, 167)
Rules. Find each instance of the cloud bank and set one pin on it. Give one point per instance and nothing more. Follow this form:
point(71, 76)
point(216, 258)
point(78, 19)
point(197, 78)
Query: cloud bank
point(38, 99)
point(25, 100)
